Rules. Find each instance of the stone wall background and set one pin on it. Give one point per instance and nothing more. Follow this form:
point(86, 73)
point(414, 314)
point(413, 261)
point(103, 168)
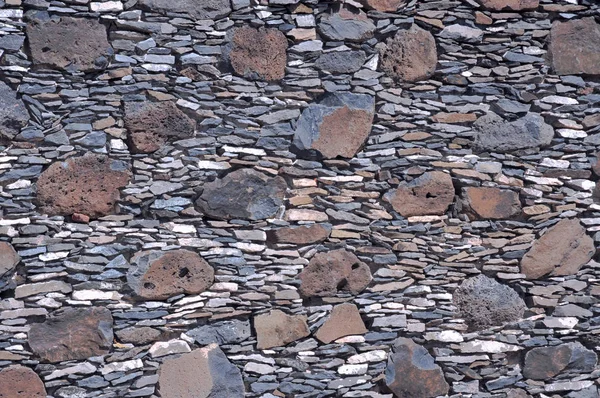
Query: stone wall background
point(481, 292)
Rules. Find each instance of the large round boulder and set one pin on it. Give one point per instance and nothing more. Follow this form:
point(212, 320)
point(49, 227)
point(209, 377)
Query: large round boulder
point(429, 194)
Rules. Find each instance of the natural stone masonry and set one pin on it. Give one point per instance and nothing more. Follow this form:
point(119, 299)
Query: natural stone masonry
point(514, 5)
point(277, 329)
point(301, 235)
point(225, 332)
point(543, 363)
point(383, 5)
point(8, 262)
point(341, 61)
point(13, 113)
point(430, 194)
point(20, 382)
point(491, 203)
point(344, 320)
point(346, 23)
point(207, 9)
point(574, 47)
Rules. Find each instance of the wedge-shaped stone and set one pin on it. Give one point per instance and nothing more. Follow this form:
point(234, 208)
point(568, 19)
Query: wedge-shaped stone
point(543, 363)
point(430, 194)
point(277, 329)
point(13, 114)
point(344, 320)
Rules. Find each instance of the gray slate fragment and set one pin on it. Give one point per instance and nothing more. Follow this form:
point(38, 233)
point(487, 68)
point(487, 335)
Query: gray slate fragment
point(226, 332)
point(205, 9)
point(496, 134)
point(341, 61)
point(346, 24)
point(13, 113)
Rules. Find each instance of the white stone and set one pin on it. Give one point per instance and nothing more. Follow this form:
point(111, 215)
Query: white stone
point(82, 368)
point(447, 336)
point(247, 151)
point(122, 366)
point(557, 99)
point(107, 6)
point(369, 356)
point(94, 294)
point(360, 369)
point(492, 347)
point(162, 348)
point(259, 368)
point(208, 165)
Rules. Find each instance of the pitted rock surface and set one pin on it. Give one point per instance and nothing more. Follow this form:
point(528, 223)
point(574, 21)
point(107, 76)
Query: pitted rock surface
point(158, 275)
point(574, 47)
point(334, 271)
point(151, 125)
point(300, 235)
point(498, 135)
point(491, 203)
point(344, 320)
point(205, 9)
point(277, 329)
point(562, 250)
point(88, 185)
point(13, 114)
point(514, 5)
point(73, 333)
point(543, 363)
point(346, 23)
point(483, 302)
point(383, 5)
point(20, 382)
point(8, 262)
point(430, 194)
point(245, 194)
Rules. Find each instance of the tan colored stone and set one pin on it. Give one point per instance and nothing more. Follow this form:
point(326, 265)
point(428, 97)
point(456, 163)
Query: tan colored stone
point(383, 5)
point(514, 5)
point(574, 47)
point(491, 203)
point(8, 258)
point(301, 235)
point(429, 194)
point(259, 54)
point(20, 382)
point(443, 117)
point(277, 329)
point(344, 320)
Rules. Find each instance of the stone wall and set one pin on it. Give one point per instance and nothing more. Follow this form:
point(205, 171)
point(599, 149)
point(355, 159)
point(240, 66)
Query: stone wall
point(299, 198)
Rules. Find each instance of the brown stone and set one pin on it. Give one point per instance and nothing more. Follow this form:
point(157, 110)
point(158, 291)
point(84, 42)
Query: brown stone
point(138, 335)
point(302, 235)
point(596, 164)
point(151, 124)
point(20, 382)
point(491, 203)
point(344, 320)
point(334, 271)
point(543, 363)
point(88, 185)
point(514, 5)
point(277, 329)
point(443, 117)
point(429, 194)
point(8, 258)
point(383, 5)
point(574, 47)
point(158, 275)
point(562, 250)
point(72, 333)
point(258, 54)
point(58, 43)
point(409, 56)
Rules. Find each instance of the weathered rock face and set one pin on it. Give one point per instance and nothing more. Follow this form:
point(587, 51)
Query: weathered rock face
point(58, 43)
point(73, 333)
point(334, 271)
point(206, 9)
point(13, 114)
point(514, 5)
point(20, 382)
point(562, 250)
point(344, 320)
point(226, 332)
point(244, 193)
point(337, 126)
point(483, 302)
point(88, 185)
point(277, 329)
point(491, 203)
point(498, 135)
point(411, 371)
point(258, 54)
point(383, 5)
point(341, 61)
point(574, 47)
point(138, 335)
point(151, 124)
point(8, 262)
point(301, 235)
point(410, 55)
point(346, 23)
point(202, 373)
point(429, 194)
point(543, 363)
point(158, 275)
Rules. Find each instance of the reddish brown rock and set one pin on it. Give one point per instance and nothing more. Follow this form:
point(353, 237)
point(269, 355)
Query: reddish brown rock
point(429, 194)
point(562, 250)
point(258, 54)
point(151, 124)
point(138, 335)
point(334, 271)
point(72, 333)
point(491, 203)
point(344, 320)
point(543, 363)
point(383, 5)
point(8, 262)
point(20, 382)
point(277, 329)
point(574, 47)
point(514, 5)
point(158, 275)
point(302, 235)
point(88, 185)
point(410, 55)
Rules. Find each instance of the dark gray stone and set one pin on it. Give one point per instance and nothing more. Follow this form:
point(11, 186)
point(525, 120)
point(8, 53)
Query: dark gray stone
point(13, 114)
point(341, 61)
point(11, 42)
point(205, 9)
point(346, 23)
point(504, 106)
point(543, 363)
point(226, 332)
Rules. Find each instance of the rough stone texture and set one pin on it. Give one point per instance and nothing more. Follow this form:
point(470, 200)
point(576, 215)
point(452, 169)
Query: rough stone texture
point(8, 262)
point(88, 185)
point(205, 9)
point(277, 329)
point(514, 5)
point(383, 5)
point(202, 373)
point(58, 43)
point(483, 302)
point(543, 363)
point(410, 55)
point(574, 47)
point(338, 125)
point(429, 194)
point(334, 271)
point(491, 203)
point(158, 275)
point(72, 333)
point(301, 235)
point(20, 382)
point(411, 371)
point(258, 54)
point(13, 114)
point(344, 320)
point(244, 193)
point(226, 332)
point(341, 61)
point(562, 250)
point(138, 335)
point(496, 134)
point(151, 125)
point(346, 23)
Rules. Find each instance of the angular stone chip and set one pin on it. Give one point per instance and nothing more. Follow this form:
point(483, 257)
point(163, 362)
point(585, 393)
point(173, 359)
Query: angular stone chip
point(346, 23)
point(344, 320)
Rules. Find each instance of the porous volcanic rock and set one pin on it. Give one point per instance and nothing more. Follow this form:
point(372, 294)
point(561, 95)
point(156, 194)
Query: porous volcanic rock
point(562, 250)
point(346, 23)
point(72, 333)
point(334, 271)
point(8, 262)
point(300, 235)
point(202, 373)
point(337, 125)
point(277, 329)
point(483, 302)
point(383, 5)
point(491, 203)
point(344, 320)
point(341, 61)
point(13, 114)
point(21, 382)
point(258, 54)
point(243, 193)
point(543, 363)
point(88, 185)
point(498, 135)
point(158, 275)
point(514, 5)
point(58, 43)
point(574, 47)
point(151, 124)
point(429, 194)
point(411, 371)
point(410, 55)
point(205, 9)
